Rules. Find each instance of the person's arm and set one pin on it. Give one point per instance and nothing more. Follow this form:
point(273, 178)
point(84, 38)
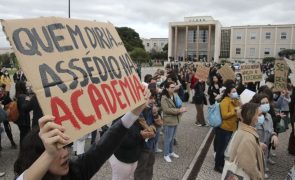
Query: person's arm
point(39, 168)
point(226, 111)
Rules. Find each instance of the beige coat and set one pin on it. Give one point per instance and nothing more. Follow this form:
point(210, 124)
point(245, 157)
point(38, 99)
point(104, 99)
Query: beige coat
point(245, 148)
point(171, 114)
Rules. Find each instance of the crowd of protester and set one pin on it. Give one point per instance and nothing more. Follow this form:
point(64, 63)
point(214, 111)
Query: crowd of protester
point(135, 136)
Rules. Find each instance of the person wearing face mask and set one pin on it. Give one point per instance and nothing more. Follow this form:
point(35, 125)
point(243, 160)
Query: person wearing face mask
point(5, 79)
point(213, 89)
point(228, 106)
point(282, 105)
point(245, 148)
point(265, 129)
point(239, 84)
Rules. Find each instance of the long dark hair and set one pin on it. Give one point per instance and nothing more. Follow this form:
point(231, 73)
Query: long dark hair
point(258, 97)
point(165, 92)
point(30, 150)
point(20, 88)
point(266, 90)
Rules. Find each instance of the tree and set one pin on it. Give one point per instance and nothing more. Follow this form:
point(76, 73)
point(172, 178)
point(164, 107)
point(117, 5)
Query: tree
point(288, 53)
point(165, 48)
point(5, 60)
point(130, 38)
point(268, 60)
point(165, 52)
point(14, 61)
point(139, 55)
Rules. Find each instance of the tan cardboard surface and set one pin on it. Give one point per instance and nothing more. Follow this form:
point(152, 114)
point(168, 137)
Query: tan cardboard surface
point(251, 73)
point(281, 75)
point(80, 70)
point(226, 73)
point(202, 72)
point(291, 65)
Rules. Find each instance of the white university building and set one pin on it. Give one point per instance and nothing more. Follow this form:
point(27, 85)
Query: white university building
point(202, 38)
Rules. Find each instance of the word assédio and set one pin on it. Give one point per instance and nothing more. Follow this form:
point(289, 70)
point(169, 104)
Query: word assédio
point(112, 87)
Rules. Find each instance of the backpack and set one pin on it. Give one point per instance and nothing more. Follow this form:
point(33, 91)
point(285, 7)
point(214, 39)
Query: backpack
point(12, 111)
point(214, 115)
point(178, 102)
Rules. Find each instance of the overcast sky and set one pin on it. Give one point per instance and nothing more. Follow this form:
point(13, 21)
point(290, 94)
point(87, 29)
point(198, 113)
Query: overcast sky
point(150, 17)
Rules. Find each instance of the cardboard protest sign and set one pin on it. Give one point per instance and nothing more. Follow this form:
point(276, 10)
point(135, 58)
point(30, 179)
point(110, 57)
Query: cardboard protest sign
point(291, 65)
point(246, 96)
point(281, 75)
point(202, 72)
point(227, 72)
point(251, 73)
point(80, 70)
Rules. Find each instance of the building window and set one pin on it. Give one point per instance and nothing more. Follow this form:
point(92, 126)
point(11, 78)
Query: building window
point(253, 35)
point(238, 50)
point(283, 35)
point(282, 49)
point(192, 36)
point(268, 35)
point(147, 44)
point(252, 52)
point(162, 44)
point(203, 36)
point(239, 35)
point(155, 44)
point(267, 51)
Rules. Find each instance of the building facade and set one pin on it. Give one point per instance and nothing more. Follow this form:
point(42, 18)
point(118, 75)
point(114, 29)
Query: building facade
point(197, 38)
point(253, 43)
point(156, 44)
point(202, 38)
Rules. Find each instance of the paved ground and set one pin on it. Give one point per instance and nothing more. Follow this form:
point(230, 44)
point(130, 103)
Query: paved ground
point(284, 162)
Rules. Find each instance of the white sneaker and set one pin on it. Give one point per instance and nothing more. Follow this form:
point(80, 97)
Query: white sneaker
point(158, 150)
point(174, 155)
point(167, 159)
point(266, 176)
point(271, 162)
point(2, 174)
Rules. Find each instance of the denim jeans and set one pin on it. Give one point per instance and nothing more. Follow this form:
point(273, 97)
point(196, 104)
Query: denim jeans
point(169, 134)
point(222, 138)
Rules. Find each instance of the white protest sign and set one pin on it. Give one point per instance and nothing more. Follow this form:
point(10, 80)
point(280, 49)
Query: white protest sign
point(246, 96)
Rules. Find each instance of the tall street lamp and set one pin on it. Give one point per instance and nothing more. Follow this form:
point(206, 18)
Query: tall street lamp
point(69, 8)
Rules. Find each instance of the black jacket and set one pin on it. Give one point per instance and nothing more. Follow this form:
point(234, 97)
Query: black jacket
point(211, 91)
point(199, 97)
point(24, 109)
point(131, 146)
point(37, 111)
point(87, 164)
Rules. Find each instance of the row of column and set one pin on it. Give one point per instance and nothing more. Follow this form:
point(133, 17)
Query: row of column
point(197, 40)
